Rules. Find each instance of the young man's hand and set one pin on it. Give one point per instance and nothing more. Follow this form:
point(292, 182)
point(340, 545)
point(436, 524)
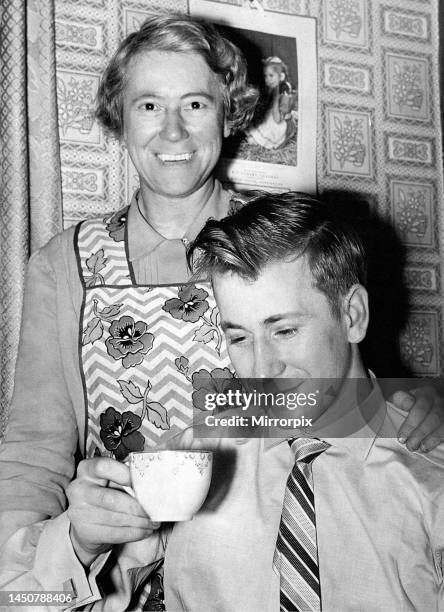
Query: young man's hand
point(101, 515)
point(423, 427)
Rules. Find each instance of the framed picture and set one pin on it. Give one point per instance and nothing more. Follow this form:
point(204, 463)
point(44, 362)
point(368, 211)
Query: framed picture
point(278, 150)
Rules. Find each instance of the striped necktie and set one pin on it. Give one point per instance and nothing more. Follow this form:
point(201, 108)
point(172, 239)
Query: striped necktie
point(296, 555)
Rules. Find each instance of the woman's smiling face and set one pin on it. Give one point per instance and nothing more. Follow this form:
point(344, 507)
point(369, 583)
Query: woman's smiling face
point(173, 121)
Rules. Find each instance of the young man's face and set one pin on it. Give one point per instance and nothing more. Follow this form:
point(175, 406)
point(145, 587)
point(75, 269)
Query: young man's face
point(282, 326)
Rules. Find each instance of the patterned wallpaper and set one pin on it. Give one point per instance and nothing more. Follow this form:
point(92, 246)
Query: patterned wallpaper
point(379, 130)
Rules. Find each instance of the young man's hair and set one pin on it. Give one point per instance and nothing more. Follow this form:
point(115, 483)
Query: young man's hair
point(273, 228)
point(179, 33)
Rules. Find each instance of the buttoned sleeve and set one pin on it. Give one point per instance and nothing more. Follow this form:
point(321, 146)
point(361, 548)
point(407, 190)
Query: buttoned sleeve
point(40, 558)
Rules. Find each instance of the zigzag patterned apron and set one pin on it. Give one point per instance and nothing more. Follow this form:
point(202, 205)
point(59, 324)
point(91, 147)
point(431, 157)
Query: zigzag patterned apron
point(140, 346)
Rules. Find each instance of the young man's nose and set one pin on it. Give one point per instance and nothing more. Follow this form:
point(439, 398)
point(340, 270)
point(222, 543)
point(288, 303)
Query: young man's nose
point(173, 127)
point(267, 363)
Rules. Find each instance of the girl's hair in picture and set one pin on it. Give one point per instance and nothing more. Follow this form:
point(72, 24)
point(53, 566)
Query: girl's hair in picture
point(276, 63)
point(277, 66)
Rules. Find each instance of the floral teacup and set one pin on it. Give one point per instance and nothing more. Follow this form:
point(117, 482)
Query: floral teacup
point(171, 485)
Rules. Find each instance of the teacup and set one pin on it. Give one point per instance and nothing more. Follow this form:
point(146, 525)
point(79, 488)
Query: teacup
point(171, 485)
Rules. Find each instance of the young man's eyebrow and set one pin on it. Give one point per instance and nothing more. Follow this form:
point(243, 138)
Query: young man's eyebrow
point(285, 315)
point(225, 325)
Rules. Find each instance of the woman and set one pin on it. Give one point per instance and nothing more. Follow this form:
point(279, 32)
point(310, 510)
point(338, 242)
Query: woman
point(110, 338)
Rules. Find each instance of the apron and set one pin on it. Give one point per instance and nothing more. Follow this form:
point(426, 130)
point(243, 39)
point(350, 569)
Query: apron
point(140, 346)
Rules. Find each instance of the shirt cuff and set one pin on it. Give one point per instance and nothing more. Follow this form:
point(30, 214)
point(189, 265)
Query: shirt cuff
point(64, 571)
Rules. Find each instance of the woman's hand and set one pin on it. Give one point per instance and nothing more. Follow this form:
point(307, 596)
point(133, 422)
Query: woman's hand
point(423, 427)
point(101, 515)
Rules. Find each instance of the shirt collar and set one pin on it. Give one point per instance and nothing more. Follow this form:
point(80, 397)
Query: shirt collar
point(143, 239)
point(364, 422)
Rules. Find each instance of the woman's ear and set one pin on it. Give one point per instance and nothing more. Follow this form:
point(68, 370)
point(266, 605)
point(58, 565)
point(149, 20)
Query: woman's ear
point(282, 76)
point(227, 129)
point(356, 314)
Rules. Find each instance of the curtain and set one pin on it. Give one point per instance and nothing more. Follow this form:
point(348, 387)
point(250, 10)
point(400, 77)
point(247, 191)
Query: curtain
point(31, 203)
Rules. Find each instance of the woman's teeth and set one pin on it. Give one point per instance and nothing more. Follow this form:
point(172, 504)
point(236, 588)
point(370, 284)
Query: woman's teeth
point(165, 157)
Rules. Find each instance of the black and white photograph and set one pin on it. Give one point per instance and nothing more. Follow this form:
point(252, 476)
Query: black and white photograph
point(222, 320)
point(273, 134)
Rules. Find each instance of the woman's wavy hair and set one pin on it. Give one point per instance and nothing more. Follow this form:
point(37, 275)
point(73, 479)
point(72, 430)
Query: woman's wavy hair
point(179, 33)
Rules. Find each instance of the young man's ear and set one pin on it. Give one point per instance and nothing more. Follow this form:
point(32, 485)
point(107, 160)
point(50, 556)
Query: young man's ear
point(356, 313)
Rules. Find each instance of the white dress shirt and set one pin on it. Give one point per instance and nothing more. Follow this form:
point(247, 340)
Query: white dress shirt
point(379, 516)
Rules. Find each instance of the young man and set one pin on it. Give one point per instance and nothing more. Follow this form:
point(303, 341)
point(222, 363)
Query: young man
point(289, 281)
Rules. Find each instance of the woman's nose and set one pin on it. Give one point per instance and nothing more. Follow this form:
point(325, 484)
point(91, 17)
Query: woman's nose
point(173, 127)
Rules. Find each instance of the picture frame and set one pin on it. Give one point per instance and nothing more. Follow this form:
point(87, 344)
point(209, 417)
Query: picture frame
point(278, 151)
